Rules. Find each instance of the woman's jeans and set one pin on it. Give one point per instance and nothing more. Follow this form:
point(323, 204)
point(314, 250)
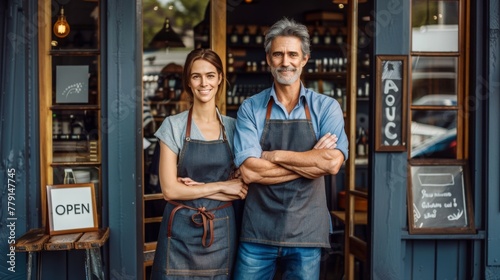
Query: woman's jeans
point(258, 261)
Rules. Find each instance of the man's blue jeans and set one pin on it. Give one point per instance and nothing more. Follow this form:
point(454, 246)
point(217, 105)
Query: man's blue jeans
point(258, 261)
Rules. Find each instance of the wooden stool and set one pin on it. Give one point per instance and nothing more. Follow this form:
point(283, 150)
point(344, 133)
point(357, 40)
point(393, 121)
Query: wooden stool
point(37, 240)
point(31, 242)
point(92, 243)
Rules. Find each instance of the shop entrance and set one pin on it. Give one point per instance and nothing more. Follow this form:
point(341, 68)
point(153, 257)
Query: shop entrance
point(340, 67)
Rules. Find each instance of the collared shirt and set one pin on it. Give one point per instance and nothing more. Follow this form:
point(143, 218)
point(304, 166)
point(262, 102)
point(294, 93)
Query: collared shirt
point(326, 116)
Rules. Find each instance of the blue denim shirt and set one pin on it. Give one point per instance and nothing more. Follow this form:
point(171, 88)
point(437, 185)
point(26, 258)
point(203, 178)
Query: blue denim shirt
point(326, 116)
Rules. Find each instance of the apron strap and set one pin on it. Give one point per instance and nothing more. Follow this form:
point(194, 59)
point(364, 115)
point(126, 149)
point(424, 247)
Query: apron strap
point(188, 125)
point(207, 218)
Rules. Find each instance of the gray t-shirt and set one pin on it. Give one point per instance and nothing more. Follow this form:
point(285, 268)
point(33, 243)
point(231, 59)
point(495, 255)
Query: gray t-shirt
point(173, 131)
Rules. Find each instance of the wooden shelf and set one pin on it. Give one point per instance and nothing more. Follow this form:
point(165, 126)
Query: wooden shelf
point(79, 107)
point(74, 52)
point(152, 220)
point(153, 196)
point(360, 218)
point(78, 163)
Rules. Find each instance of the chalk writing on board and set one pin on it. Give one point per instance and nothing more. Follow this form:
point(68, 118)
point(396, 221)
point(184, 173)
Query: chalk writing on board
point(438, 196)
point(391, 92)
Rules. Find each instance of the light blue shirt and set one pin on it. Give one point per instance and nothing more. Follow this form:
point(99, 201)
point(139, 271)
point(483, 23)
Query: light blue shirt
point(326, 116)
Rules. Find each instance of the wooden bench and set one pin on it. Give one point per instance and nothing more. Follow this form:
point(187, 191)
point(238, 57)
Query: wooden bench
point(37, 240)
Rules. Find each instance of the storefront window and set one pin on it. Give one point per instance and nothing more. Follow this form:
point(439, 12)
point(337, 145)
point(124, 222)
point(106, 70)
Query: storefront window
point(436, 97)
point(434, 81)
point(434, 107)
point(435, 26)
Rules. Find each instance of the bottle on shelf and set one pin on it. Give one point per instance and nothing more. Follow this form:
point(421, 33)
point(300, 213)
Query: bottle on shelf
point(340, 67)
point(69, 176)
point(339, 38)
point(327, 39)
point(259, 36)
point(254, 66)
point(337, 93)
point(230, 62)
point(263, 66)
point(367, 89)
point(315, 35)
point(366, 61)
point(245, 39)
point(234, 36)
point(361, 143)
point(229, 98)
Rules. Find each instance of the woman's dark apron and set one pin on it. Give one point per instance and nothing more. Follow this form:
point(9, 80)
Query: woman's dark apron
point(294, 213)
point(198, 237)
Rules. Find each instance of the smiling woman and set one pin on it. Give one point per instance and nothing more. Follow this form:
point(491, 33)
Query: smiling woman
point(163, 96)
point(196, 174)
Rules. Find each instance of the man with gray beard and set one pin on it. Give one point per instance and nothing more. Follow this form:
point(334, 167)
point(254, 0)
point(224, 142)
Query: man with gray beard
point(287, 139)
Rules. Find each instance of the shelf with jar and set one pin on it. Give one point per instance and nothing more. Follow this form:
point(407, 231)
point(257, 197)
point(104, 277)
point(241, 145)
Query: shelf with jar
point(75, 137)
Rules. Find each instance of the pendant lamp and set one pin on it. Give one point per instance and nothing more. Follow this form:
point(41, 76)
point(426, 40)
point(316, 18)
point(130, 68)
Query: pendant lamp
point(166, 38)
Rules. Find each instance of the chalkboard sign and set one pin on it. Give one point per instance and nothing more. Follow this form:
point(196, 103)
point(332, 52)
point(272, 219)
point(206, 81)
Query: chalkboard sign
point(439, 199)
point(391, 92)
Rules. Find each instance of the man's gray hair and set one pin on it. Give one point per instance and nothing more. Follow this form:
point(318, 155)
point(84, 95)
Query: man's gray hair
point(288, 27)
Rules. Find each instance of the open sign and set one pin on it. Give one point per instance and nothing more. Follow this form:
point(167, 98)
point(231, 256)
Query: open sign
point(71, 208)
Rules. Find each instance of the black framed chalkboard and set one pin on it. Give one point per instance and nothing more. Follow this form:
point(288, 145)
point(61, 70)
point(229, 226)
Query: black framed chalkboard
point(391, 93)
point(439, 198)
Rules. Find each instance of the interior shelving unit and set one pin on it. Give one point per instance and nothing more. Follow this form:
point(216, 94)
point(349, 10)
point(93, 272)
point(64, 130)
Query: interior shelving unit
point(70, 98)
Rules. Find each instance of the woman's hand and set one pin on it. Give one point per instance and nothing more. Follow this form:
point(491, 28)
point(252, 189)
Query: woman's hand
point(188, 181)
point(235, 187)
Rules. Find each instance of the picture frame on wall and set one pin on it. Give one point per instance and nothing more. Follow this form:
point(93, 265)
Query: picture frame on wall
point(391, 96)
point(72, 84)
point(71, 208)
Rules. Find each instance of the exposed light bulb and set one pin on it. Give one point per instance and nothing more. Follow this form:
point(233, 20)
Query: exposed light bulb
point(61, 27)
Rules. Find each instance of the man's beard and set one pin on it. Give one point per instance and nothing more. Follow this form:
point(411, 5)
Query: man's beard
point(286, 80)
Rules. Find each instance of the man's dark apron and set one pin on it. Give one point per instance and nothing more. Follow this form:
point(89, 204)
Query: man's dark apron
point(294, 213)
point(198, 237)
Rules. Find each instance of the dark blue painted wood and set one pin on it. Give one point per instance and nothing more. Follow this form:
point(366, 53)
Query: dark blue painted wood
point(424, 258)
point(389, 190)
point(493, 90)
point(122, 90)
point(18, 146)
point(389, 169)
point(447, 259)
point(392, 25)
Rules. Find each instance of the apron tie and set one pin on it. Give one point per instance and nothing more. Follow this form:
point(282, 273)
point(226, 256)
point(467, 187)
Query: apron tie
point(207, 220)
point(206, 216)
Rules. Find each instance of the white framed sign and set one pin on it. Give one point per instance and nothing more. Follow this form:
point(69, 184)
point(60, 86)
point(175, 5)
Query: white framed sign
point(71, 208)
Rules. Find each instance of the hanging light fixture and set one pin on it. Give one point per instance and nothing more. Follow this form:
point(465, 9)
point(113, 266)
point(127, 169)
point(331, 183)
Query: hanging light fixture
point(166, 38)
point(61, 27)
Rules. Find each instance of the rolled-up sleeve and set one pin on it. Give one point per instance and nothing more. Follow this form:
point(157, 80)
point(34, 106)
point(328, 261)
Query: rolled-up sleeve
point(331, 120)
point(247, 136)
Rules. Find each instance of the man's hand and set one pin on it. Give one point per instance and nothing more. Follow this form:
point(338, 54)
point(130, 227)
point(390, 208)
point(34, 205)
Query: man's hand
point(328, 141)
